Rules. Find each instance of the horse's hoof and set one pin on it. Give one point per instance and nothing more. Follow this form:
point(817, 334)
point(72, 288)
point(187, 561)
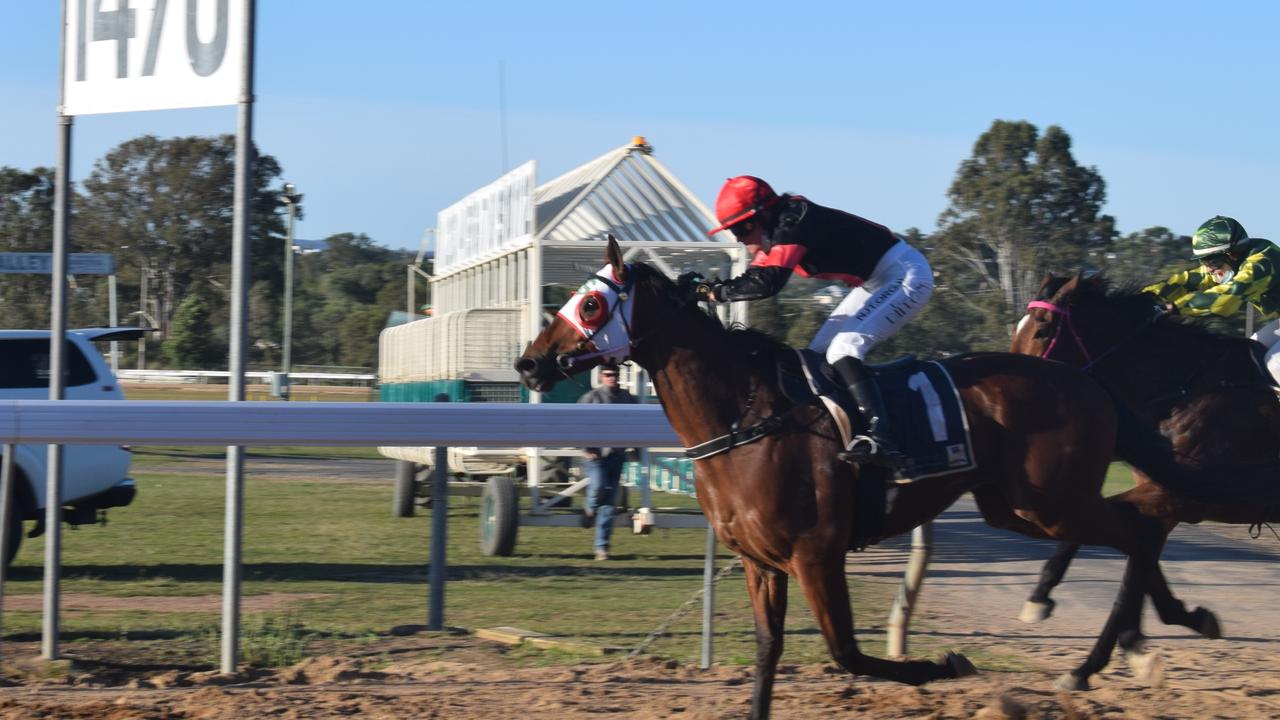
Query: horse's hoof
point(1207, 624)
point(1034, 612)
point(1072, 683)
point(958, 665)
point(1147, 667)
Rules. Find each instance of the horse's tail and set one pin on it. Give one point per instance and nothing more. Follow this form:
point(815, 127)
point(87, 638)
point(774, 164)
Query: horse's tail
point(1140, 444)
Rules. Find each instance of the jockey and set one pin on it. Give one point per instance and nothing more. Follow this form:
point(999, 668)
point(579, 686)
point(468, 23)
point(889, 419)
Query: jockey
point(891, 282)
point(1234, 269)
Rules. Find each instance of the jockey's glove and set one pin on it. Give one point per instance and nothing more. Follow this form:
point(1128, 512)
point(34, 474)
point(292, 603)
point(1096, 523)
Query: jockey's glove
point(708, 292)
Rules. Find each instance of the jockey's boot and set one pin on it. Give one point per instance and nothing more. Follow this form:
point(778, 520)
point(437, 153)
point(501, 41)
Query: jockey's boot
point(872, 441)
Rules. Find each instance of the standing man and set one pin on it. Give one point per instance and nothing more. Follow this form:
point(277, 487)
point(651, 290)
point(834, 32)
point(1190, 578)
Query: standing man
point(604, 465)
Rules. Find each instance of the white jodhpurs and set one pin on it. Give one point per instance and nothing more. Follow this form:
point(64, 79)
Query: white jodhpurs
point(1269, 336)
point(898, 288)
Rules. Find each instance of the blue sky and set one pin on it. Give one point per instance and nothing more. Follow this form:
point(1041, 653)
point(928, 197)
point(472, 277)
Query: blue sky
point(383, 112)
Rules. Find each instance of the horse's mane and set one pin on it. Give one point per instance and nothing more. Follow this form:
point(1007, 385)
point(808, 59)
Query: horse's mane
point(749, 344)
point(1130, 299)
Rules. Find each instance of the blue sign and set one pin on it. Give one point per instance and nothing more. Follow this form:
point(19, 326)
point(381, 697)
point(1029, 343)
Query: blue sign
point(17, 263)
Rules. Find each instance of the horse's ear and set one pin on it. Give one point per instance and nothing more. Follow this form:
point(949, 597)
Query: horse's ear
point(614, 255)
point(1048, 278)
point(1073, 283)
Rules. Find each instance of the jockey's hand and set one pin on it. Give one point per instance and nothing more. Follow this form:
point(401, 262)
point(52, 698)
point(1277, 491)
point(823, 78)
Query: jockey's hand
point(689, 280)
point(705, 292)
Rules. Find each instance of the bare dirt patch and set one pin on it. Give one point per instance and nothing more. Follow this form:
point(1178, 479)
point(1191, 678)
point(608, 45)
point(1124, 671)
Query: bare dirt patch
point(73, 602)
point(428, 682)
point(971, 599)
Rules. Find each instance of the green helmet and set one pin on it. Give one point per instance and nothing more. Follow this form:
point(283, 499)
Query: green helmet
point(1218, 234)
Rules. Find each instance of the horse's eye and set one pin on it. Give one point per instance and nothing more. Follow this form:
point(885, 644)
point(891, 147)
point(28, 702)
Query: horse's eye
point(592, 311)
point(1044, 329)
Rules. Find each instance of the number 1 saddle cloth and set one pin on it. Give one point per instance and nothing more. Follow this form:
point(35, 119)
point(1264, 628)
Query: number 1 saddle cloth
point(927, 419)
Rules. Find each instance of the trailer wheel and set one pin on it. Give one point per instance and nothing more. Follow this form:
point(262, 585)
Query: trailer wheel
point(499, 517)
point(403, 493)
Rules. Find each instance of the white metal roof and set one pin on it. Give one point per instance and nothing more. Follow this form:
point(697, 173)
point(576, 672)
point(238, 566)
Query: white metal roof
point(626, 192)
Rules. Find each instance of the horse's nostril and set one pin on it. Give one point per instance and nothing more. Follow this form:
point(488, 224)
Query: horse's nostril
point(526, 366)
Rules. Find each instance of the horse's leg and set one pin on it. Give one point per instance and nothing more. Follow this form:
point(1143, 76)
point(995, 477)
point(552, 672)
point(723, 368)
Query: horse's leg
point(767, 587)
point(997, 513)
point(825, 588)
point(1147, 665)
point(1141, 538)
point(1039, 606)
point(1172, 611)
point(1125, 614)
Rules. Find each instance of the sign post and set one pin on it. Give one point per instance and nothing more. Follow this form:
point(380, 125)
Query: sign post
point(155, 55)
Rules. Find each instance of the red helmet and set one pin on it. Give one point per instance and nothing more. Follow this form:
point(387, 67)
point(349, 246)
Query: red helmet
point(740, 198)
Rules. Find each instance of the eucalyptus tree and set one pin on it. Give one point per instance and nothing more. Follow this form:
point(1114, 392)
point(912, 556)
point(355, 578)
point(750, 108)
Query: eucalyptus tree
point(1020, 206)
point(164, 207)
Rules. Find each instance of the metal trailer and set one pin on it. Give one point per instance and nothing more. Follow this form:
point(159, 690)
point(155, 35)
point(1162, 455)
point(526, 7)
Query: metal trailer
point(513, 246)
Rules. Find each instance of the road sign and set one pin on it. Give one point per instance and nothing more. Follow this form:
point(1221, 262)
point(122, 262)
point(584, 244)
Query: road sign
point(124, 55)
point(35, 263)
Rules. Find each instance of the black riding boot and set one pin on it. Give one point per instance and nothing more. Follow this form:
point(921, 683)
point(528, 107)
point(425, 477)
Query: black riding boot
point(872, 441)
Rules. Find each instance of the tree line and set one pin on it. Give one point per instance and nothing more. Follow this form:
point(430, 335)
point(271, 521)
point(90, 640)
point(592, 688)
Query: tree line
point(1019, 207)
point(163, 208)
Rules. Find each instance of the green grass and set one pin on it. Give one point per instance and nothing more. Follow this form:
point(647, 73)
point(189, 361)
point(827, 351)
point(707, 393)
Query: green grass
point(1119, 479)
point(339, 540)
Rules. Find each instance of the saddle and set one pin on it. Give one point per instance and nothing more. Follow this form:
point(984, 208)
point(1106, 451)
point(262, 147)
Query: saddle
point(926, 413)
point(1258, 352)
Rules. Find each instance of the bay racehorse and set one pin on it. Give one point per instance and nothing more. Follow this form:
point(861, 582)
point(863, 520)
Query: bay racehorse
point(1043, 436)
point(1209, 393)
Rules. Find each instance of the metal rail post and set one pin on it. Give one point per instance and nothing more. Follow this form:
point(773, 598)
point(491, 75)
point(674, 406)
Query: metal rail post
point(57, 390)
point(439, 535)
point(912, 579)
point(233, 518)
point(708, 598)
point(6, 519)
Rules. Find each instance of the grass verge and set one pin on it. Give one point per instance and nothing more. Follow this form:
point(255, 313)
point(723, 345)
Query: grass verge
point(329, 557)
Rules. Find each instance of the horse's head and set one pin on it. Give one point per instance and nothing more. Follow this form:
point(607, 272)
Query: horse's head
point(1073, 318)
point(593, 327)
point(600, 324)
point(1037, 329)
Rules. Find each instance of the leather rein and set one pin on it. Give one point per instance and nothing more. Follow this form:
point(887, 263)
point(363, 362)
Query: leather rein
point(1183, 388)
point(736, 436)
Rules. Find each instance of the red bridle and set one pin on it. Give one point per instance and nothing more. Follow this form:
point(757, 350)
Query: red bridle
point(1066, 320)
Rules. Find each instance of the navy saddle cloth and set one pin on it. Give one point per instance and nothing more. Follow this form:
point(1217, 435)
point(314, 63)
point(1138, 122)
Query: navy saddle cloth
point(926, 416)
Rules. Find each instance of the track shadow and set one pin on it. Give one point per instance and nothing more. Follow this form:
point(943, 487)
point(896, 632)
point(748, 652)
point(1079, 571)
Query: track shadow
point(960, 535)
point(348, 572)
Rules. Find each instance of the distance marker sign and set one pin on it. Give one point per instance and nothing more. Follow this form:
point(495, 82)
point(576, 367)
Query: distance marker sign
point(126, 55)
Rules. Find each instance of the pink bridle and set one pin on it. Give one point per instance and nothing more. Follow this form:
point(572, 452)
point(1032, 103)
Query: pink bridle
point(1066, 320)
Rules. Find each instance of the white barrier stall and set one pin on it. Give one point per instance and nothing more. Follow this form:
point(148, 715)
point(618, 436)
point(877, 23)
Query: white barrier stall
point(507, 256)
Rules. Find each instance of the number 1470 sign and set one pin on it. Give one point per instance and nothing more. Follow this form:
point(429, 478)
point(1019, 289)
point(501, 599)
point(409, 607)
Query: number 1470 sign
point(123, 55)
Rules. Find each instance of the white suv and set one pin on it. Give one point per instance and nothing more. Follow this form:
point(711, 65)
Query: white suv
point(94, 477)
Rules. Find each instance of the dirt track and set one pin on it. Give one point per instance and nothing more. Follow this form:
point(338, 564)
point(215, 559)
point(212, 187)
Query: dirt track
point(974, 591)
